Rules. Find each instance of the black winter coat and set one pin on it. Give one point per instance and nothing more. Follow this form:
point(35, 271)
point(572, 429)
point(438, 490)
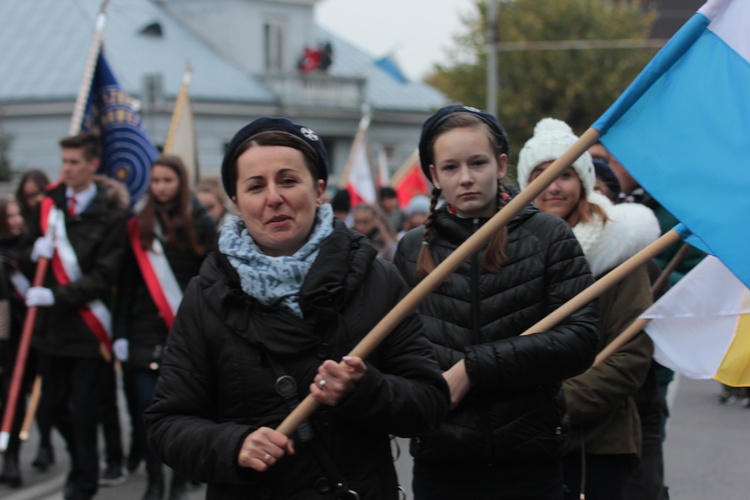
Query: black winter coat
point(136, 316)
point(217, 384)
point(98, 238)
point(514, 411)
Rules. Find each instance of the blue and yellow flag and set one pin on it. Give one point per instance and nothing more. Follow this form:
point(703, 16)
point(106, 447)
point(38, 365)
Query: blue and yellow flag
point(127, 152)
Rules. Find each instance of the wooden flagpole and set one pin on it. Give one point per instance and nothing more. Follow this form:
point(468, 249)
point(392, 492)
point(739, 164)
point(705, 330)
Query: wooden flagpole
point(21, 357)
point(601, 285)
point(631, 331)
point(88, 71)
point(671, 266)
point(442, 271)
point(639, 324)
point(28, 420)
point(364, 124)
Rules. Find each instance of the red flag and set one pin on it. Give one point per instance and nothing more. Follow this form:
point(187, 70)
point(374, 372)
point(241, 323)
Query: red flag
point(411, 184)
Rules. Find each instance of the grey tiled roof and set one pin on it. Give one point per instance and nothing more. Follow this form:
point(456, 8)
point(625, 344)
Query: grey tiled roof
point(44, 43)
point(43, 47)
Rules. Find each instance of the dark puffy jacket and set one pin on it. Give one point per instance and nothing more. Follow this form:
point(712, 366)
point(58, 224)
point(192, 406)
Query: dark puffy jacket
point(514, 411)
point(217, 382)
point(98, 238)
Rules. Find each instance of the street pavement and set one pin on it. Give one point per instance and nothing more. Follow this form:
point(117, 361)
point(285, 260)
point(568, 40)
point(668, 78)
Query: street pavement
point(707, 454)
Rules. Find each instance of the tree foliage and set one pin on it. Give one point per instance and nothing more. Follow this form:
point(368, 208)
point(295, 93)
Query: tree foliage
point(576, 86)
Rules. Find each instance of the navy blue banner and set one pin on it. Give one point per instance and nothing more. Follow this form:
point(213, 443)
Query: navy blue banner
point(127, 152)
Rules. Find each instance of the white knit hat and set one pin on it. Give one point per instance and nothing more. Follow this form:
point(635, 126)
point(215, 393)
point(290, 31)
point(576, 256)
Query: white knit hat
point(551, 139)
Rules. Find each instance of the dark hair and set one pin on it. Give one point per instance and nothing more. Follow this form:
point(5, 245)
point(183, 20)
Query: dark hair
point(40, 180)
point(494, 255)
point(387, 192)
point(183, 217)
point(309, 143)
point(86, 141)
point(273, 138)
point(341, 201)
point(606, 175)
point(435, 125)
point(5, 201)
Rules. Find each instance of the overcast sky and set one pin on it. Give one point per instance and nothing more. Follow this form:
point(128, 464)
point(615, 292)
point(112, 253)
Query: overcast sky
point(417, 30)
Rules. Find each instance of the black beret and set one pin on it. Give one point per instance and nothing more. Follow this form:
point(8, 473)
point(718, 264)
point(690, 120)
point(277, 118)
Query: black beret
point(265, 124)
point(432, 123)
point(605, 174)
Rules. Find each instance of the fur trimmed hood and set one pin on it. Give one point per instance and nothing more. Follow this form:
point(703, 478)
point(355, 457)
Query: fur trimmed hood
point(629, 229)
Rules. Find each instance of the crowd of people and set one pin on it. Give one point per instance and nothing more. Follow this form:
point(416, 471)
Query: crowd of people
point(222, 308)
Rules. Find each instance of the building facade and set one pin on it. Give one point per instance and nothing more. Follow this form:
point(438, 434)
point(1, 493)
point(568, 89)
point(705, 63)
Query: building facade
point(248, 58)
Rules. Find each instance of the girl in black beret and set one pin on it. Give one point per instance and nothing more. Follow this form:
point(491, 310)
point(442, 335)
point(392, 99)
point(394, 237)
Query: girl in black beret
point(507, 429)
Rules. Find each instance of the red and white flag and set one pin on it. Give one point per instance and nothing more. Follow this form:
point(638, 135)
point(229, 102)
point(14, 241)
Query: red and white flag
point(410, 181)
point(360, 184)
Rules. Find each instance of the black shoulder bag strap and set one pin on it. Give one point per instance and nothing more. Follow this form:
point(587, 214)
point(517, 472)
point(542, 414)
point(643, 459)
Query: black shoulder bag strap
point(286, 387)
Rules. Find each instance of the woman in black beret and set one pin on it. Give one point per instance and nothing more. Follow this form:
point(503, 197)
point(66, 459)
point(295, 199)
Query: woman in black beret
point(268, 321)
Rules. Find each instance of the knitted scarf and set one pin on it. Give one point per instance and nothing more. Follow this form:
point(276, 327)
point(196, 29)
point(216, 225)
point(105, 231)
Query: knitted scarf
point(273, 280)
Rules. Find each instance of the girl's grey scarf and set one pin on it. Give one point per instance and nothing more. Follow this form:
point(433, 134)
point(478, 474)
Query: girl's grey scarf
point(273, 280)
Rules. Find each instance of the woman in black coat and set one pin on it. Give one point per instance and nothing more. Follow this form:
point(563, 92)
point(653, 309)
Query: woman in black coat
point(505, 436)
point(288, 294)
point(169, 239)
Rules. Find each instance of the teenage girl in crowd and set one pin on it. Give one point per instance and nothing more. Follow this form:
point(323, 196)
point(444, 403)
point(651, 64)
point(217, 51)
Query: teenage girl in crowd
point(30, 191)
point(504, 437)
point(606, 431)
point(13, 286)
point(169, 238)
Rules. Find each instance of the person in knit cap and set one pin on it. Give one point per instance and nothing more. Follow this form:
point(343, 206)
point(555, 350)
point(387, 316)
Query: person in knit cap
point(507, 429)
point(606, 432)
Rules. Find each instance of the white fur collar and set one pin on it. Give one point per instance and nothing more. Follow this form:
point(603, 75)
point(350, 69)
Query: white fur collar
point(630, 228)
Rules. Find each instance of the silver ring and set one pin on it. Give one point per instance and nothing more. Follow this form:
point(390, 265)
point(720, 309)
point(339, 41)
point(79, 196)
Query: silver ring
point(322, 383)
point(266, 457)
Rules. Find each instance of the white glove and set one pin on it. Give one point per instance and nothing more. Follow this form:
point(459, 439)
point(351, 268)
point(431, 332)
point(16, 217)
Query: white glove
point(43, 247)
point(38, 296)
point(121, 349)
